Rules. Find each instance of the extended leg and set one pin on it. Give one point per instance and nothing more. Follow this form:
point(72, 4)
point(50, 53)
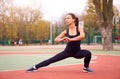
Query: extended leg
point(58, 57)
point(55, 58)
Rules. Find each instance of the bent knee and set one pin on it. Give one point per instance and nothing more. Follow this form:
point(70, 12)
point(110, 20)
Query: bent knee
point(88, 53)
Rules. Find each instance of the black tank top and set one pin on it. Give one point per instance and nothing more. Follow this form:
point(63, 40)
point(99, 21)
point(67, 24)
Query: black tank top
point(73, 46)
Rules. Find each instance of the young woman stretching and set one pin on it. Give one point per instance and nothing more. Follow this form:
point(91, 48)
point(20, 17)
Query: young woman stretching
point(72, 36)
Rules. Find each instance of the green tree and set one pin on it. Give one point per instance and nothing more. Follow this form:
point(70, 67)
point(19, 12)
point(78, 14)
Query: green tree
point(89, 22)
point(41, 30)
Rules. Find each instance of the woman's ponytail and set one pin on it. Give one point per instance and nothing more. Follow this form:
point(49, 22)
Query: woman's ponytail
point(76, 21)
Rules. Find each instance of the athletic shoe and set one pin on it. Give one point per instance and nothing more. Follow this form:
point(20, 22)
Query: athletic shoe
point(32, 69)
point(87, 70)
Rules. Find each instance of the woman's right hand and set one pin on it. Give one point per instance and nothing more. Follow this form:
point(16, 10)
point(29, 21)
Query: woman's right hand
point(66, 39)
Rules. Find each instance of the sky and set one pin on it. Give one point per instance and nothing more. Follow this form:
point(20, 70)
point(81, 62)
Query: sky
point(54, 9)
point(59, 7)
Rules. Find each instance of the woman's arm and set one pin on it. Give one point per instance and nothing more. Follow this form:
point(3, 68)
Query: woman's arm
point(60, 37)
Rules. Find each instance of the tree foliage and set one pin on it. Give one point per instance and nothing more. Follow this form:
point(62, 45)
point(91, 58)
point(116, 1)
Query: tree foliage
point(25, 23)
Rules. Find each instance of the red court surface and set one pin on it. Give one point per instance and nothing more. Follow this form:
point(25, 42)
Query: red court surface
point(105, 67)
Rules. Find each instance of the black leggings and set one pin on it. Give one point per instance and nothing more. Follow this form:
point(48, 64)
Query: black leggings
point(62, 55)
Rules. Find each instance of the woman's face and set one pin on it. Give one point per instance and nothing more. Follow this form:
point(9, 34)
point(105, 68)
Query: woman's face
point(69, 20)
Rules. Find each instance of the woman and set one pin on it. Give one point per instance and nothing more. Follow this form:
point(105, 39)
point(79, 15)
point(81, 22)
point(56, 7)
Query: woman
point(72, 36)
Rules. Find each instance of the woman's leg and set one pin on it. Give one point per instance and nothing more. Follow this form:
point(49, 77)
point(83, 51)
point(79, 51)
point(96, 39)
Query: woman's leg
point(86, 54)
point(58, 57)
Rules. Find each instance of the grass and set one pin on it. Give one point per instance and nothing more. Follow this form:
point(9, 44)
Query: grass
point(13, 62)
point(21, 61)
